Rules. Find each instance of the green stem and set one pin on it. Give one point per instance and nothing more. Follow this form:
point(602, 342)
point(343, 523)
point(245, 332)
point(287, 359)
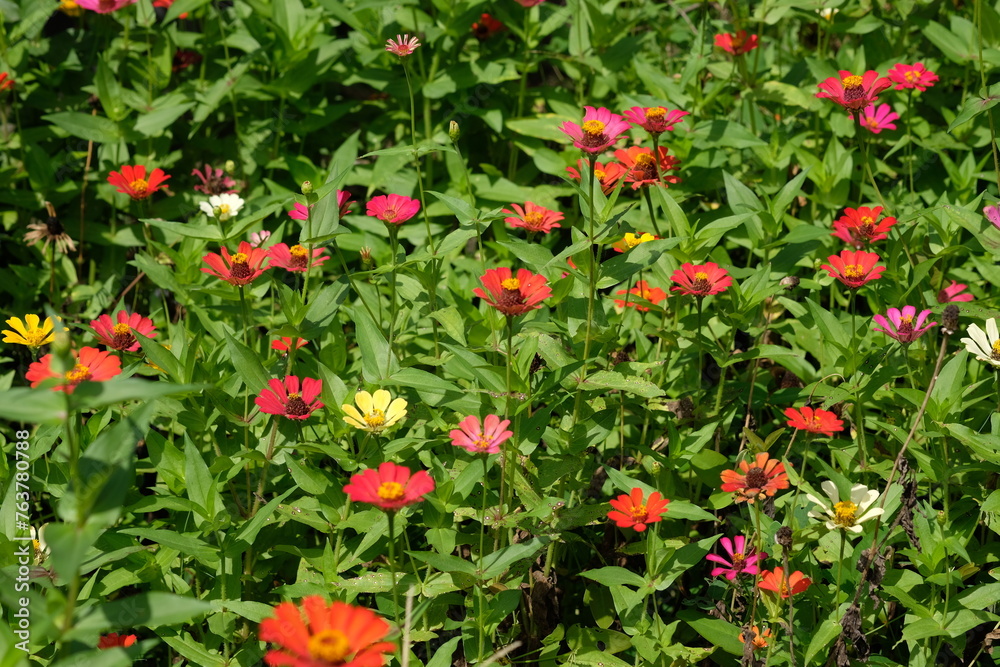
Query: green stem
point(909, 141)
point(697, 338)
point(649, 205)
point(392, 565)
point(591, 294)
point(394, 247)
point(482, 538)
point(840, 571)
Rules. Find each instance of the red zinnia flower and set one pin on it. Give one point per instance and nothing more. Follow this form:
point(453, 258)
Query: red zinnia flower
point(392, 209)
point(92, 365)
point(295, 258)
point(390, 487)
point(854, 268)
point(953, 292)
point(285, 398)
point(337, 634)
point(486, 27)
point(481, 439)
point(765, 477)
point(607, 175)
point(5, 83)
point(599, 131)
point(737, 43)
point(240, 269)
point(655, 120)
point(860, 227)
point(113, 640)
point(119, 336)
point(912, 76)
point(285, 342)
point(644, 169)
point(642, 289)
point(814, 420)
point(631, 512)
point(184, 58)
point(132, 181)
point(700, 279)
point(776, 581)
point(513, 296)
point(852, 91)
point(533, 217)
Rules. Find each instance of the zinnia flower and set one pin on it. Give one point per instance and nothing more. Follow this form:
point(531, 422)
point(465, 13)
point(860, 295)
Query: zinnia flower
point(113, 639)
point(631, 512)
point(240, 269)
point(92, 365)
point(759, 639)
point(700, 280)
point(776, 581)
point(852, 91)
point(479, 438)
point(5, 83)
point(764, 477)
point(736, 44)
point(854, 268)
point(284, 343)
point(644, 169)
point(29, 332)
point(393, 209)
point(912, 76)
point(607, 175)
point(118, 334)
point(740, 562)
point(295, 258)
point(132, 180)
point(377, 411)
point(223, 207)
point(529, 3)
point(336, 635)
point(900, 324)
point(257, 239)
point(50, 231)
point(301, 211)
point(845, 514)
point(815, 420)
point(631, 240)
point(402, 46)
point(992, 214)
point(390, 487)
point(878, 118)
point(533, 217)
point(984, 344)
point(486, 27)
point(655, 120)
point(953, 292)
point(599, 131)
point(105, 7)
point(513, 296)
point(213, 181)
point(861, 226)
point(285, 398)
point(642, 289)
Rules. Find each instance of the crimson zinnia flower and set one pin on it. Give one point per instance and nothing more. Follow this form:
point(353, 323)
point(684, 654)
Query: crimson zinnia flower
point(132, 181)
point(815, 420)
point(740, 561)
point(486, 27)
point(285, 342)
point(484, 438)
point(852, 91)
point(655, 120)
point(599, 131)
point(700, 280)
point(295, 258)
point(118, 334)
point(390, 487)
point(335, 635)
point(737, 43)
point(92, 365)
point(642, 289)
point(513, 296)
point(765, 477)
point(607, 175)
point(393, 209)
point(533, 217)
point(644, 169)
point(900, 324)
point(953, 292)
point(776, 581)
point(861, 226)
point(631, 512)
point(240, 269)
point(854, 268)
point(912, 76)
point(285, 398)
point(114, 640)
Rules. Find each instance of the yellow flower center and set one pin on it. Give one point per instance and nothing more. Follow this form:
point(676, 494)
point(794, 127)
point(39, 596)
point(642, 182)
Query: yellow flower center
point(593, 127)
point(816, 422)
point(646, 294)
point(854, 271)
point(122, 329)
point(701, 276)
point(511, 284)
point(70, 8)
point(36, 337)
point(845, 513)
point(139, 186)
point(239, 258)
point(738, 562)
point(873, 123)
point(223, 209)
point(996, 349)
point(599, 174)
point(655, 113)
point(481, 443)
point(644, 160)
point(375, 419)
point(853, 81)
point(298, 251)
point(331, 646)
point(639, 514)
point(78, 374)
point(533, 219)
point(390, 491)
point(912, 75)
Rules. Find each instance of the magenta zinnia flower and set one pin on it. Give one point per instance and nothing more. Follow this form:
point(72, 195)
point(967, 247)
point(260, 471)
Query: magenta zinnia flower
point(852, 91)
point(402, 46)
point(655, 120)
point(912, 76)
point(285, 398)
point(740, 562)
point(104, 6)
point(900, 324)
point(878, 118)
point(481, 439)
point(599, 131)
point(393, 209)
point(118, 334)
point(214, 181)
point(953, 292)
point(992, 214)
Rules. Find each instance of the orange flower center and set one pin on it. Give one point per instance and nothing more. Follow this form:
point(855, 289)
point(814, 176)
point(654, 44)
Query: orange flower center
point(655, 113)
point(139, 187)
point(599, 175)
point(912, 75)
point(593, 127)
point(639, 513)
point(854, 271)
point(533, 220)
point(121, 329)
point(873, 123)
point(390, 491)
point(511, 284)
point(78, 374)
point(481, 443)
point(375, 420)
point(389, 215)
point(300, 256)
point(845, 513)
point(331, 646)
point(645, 160)
point(296, 406)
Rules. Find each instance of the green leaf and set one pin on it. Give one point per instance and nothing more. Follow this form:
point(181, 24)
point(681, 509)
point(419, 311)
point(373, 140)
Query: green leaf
point(615, 576)
point(619, 382)
point(186, 544)
point(725, 134)
point(247, 365)
point(828, 630)
point(32, 406)
point(149, 610)
point(499, 561)
point(717, 631)
point(109, 91)
point(444, 563)
point(91, 128)
point(377, 362)
point(975, 105)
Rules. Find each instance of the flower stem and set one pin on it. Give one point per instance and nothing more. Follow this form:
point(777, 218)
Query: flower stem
point(508, 456)
point(482, 534)
point(909, 139)
point(697, 338)
point(245, 310)
point(591, 294)
point(840, 571)
point(649, 204)
point(392, 565)
point(394, 247)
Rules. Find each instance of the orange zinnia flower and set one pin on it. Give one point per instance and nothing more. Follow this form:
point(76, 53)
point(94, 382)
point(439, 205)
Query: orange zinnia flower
point(776, 581)
point(754, 482)
point(759, 639)
point(630, 512)
point(337, 634)
point(513, 296)
point(607, 175)
point(814, 420)
point(642, 290)
point(240, 269)
point(132, 181)
point(643, 168)
point(533, 217)
point(91, 365)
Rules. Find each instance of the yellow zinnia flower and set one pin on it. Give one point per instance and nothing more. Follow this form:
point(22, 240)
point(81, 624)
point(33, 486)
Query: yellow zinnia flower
point(29, 333)
point(374, 413)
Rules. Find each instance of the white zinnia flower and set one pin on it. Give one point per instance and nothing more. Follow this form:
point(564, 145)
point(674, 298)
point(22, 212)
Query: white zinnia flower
point(984, 344)
point(228, 206)
point(846, 514)
point(828, 12)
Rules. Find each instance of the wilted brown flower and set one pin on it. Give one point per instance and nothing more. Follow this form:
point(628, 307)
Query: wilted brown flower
point(50, 230)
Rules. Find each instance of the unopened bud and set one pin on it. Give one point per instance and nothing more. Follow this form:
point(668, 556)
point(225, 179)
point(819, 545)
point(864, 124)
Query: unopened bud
point(784, 537)
point(230, 166)
point(307, 187)
point(790, 282)
point(366, 256)
point(453, 131)
point(217, 211)
point(949, 319)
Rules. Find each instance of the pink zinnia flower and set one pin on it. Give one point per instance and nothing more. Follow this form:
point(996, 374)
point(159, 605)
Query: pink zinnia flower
point(854, 268)
point(700, 280)
point(533, 217)
point(599, 131)
point(484, 438)
point(285, 398)
point(607, 175)
point(295, 258)
point(900, 324)
point(737, 43)
point(257, 239)
point(529, 3)
point(992, 214)
point(118, 334)
point(852, 91)
point(861, 226)
point(104, 6)
point(740, 562)
point(655, 120)
point(878, 118)
point(393, 209)
point(402, 46)
point(213, 181)
point(912, 76)
point(953, 292)
point(299, 212)
point(644, 169)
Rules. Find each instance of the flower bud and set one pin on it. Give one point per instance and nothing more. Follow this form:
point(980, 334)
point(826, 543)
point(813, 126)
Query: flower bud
point(217, 211)
point(230, 166)
point(453, 131)
point(784, 537)
point(307, 187)
point(366, 256)
point(949, 319)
